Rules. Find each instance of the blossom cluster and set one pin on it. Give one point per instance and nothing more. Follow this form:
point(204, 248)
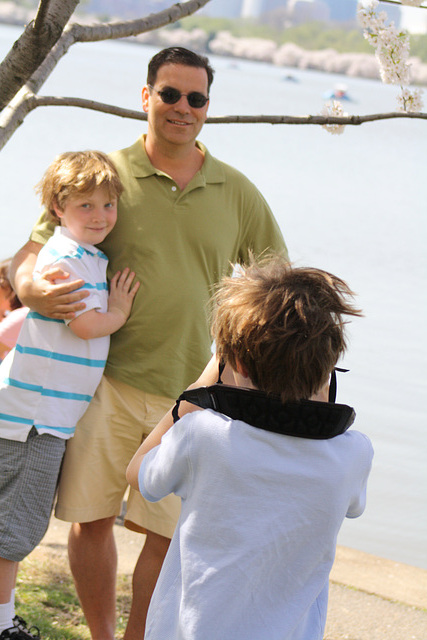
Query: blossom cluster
point(371, 21)
point(391, 45)
point(391, 51)
point(412, 3)
point(410, 100)
point(333, 108)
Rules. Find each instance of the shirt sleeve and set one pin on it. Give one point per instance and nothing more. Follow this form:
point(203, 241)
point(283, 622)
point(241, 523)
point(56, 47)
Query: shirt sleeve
point(363, 466)
point(261, 234)
point(77, 271)
point(43, 229)
point(166, 468)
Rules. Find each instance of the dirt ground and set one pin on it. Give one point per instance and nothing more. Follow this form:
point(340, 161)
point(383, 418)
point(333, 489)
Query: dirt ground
point(370, 598)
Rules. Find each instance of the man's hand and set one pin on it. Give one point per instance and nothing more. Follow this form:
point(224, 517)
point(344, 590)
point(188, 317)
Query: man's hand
point(58, 301)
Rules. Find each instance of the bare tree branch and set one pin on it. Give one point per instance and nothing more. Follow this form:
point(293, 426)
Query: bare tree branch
point(29, 51)
point(29, 101)
point(41, 15)
point(26, 100)
point(76, 33)
point(112, 30)
point(422, 6)
point(73, 33)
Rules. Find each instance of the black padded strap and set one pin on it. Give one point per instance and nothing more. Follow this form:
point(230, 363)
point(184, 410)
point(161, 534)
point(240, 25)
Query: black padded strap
point(221, 368)
point(175, 409)
point(333, 383)
point(303, 419)
point(175, 415)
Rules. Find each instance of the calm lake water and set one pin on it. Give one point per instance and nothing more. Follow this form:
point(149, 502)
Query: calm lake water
point(353, 204)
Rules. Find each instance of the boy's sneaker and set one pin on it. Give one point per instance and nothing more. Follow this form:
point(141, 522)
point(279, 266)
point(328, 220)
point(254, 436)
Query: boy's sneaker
point(14, 633)
point(20, 631)
point(22, 625)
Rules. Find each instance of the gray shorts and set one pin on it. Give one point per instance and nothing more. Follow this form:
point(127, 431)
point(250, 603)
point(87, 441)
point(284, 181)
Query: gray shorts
point(28, 478)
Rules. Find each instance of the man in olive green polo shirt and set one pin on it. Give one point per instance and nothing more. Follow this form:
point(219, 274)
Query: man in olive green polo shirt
point(183, 219)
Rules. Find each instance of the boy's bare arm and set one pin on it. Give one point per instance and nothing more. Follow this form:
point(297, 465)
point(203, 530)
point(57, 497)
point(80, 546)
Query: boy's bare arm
point(209, 376)
point(59, 301)
point(95, 324)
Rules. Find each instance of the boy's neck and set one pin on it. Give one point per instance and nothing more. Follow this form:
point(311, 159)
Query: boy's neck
point(240, 380)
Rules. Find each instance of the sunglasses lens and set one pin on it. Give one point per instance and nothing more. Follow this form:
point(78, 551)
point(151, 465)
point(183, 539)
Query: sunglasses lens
point(196, 100)
point(170, 96)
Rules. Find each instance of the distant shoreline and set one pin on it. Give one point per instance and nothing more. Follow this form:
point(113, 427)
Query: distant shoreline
point(289, 55)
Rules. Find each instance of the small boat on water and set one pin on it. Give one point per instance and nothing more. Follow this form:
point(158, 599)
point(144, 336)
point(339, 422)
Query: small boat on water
point(290, 78)
point(339, 92)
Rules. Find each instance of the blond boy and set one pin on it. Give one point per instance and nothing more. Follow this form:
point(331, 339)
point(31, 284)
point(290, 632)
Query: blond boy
point(48, 380)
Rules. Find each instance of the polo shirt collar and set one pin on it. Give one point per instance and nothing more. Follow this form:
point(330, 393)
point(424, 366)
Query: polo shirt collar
point(141, 167)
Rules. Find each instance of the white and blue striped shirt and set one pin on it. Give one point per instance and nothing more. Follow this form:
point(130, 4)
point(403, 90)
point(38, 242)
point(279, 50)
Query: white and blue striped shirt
point(50, 377)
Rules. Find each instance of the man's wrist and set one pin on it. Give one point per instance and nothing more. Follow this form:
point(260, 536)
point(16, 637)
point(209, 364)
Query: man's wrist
point(23, 288)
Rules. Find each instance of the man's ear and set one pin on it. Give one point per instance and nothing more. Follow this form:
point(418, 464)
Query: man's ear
point(145, 96)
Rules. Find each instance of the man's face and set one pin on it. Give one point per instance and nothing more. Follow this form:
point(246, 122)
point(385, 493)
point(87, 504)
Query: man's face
point(176, 124)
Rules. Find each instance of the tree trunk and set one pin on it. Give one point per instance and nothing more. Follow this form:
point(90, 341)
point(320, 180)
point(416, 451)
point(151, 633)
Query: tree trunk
point(29, 51)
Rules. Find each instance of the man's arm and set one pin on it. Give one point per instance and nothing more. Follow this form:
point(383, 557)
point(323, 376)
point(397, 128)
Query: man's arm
point(59, 301)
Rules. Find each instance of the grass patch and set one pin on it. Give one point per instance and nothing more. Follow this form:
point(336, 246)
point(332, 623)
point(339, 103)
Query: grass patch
point(46, 597)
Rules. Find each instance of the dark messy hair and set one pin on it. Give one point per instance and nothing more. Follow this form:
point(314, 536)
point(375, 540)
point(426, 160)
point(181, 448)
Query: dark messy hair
point(283, 324)
point(178, 55)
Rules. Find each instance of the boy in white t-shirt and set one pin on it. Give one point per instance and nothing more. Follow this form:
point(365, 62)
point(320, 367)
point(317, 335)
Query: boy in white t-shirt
point(267, 474)
point(49, 378)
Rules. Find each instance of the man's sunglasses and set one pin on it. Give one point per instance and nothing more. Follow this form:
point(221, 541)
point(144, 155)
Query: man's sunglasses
point(170, 95)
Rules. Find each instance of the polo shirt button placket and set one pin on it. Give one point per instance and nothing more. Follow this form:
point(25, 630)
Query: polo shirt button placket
point(175, 197)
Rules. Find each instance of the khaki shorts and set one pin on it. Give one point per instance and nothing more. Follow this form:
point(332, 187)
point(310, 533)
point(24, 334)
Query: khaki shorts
point(93, 482)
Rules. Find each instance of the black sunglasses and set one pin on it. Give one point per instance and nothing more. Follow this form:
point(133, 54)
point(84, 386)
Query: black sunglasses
point(170, 95)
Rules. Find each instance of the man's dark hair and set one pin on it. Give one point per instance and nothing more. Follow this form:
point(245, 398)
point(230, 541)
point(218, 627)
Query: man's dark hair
point(178, 55)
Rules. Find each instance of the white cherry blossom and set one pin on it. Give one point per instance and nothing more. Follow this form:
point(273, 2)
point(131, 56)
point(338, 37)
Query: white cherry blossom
point(410, 100)
point(391, 51)
point(333, 108)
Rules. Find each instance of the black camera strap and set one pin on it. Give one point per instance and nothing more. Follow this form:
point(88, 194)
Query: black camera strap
point(302, 419)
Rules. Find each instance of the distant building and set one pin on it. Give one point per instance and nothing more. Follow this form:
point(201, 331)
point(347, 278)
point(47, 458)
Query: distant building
point(126, 9)
point(297, 10)
point(273, 5)
point(308, 11)
point(223, 9)
point(342, 10)
point(394, 13)
point(252, 8)
point(414, 20)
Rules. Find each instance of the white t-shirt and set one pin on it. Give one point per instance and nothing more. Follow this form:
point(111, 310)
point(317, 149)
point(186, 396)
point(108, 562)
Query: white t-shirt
point(251, 555)
point(50, 377)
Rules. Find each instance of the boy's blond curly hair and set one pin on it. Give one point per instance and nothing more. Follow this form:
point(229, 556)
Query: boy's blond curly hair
point(74, 173)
